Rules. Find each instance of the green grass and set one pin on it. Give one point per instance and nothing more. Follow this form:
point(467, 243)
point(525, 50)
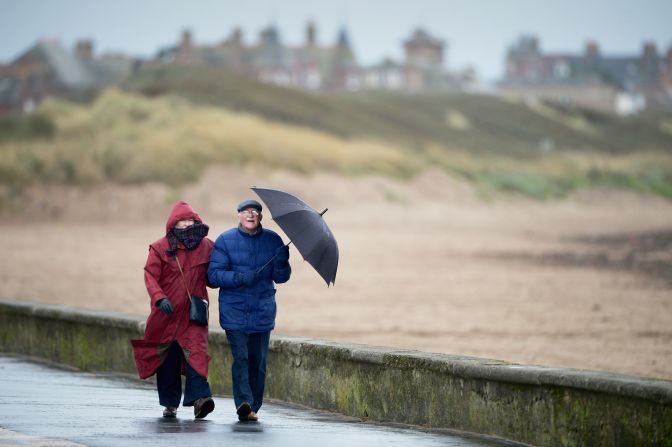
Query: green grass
point(558, 174)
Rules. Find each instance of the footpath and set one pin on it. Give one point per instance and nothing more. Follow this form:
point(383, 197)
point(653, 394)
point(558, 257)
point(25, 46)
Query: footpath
point(41, 405)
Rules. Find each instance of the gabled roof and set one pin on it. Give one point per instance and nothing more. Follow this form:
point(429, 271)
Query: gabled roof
point(422, 38)
point(623, 72)
point(73, 72)
point(68, 69)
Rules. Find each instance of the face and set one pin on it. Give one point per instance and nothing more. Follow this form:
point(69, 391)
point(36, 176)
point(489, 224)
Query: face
point(249, 218)
point(182, 224)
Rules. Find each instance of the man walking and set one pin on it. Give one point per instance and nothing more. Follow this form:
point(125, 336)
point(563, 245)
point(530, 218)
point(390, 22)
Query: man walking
point(245, 263)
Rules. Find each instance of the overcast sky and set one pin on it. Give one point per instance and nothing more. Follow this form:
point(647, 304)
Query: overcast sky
point(477, 32)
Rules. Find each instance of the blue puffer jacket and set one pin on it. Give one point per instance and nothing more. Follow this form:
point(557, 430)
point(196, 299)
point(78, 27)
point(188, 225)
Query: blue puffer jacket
point(249, 309)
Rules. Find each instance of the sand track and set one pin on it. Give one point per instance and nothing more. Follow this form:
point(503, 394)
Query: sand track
point(583, 282)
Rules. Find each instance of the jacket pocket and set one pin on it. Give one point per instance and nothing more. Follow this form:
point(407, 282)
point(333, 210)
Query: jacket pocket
point(233, 309)
point(267, 311)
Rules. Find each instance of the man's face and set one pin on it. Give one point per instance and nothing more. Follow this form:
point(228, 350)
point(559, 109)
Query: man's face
point(249, 218)
point(182, 224)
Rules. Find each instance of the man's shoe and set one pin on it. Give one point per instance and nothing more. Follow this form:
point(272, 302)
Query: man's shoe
point(244, 411)
point(252, 416)
point(170, 412)
point(203, 407)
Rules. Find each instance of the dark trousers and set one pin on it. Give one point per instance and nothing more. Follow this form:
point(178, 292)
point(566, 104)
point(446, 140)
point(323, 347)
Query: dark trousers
point(249, 366)
point(169, 380)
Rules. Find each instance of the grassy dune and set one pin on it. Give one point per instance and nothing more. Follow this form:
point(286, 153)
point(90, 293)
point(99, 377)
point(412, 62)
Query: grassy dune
point(128, 138)
point(168, 125)
point(484, 124)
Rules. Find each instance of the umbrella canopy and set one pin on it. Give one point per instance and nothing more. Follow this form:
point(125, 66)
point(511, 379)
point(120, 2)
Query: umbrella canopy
point(305, 228)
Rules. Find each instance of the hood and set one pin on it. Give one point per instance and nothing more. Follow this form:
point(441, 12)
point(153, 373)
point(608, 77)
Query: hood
point(181, 211)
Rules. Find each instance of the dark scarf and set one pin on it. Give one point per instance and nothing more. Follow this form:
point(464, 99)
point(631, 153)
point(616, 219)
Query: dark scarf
point(190, 237)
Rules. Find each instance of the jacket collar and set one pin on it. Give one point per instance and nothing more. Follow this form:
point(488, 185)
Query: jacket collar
point(245, 233)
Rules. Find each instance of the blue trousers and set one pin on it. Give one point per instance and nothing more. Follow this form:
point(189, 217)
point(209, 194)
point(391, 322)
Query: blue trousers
point(169, 380)
point(248, 372)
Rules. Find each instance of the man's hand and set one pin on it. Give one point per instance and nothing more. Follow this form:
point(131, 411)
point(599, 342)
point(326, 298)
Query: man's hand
point(165, 306)
point(282, 255)
point(248, 278)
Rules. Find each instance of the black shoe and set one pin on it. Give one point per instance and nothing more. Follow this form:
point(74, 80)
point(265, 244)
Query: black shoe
point(243, 411)
point(203, 407)
point(170, 412)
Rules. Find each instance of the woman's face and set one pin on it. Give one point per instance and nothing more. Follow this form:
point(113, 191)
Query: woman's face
point(182, 224)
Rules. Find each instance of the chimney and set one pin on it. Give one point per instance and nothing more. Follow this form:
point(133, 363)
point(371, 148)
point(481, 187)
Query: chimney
point(185, 43)
point(592, 51)
point(649, 52)
point(532, 44)
point(311, 34)
point(183, 54)
point(527, 44)
point(236, 37)
point(84, 49)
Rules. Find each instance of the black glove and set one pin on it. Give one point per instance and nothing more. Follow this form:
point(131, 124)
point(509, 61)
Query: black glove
point(248, 278)
point(282, 255)
point(165, 306)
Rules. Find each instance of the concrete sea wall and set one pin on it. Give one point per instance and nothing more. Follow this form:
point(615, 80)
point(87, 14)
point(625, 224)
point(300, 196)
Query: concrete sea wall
point(530, 404)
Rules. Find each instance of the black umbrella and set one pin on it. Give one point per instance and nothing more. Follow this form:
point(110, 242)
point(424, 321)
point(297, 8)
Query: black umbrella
point(306, 228)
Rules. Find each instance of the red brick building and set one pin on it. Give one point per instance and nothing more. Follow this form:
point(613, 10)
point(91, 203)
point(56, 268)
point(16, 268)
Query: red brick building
point(616, 84)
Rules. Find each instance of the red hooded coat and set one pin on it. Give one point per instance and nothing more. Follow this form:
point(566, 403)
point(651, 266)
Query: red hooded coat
point(163, 279)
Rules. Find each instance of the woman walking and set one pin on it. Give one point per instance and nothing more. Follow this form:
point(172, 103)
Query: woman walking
point(173, 345)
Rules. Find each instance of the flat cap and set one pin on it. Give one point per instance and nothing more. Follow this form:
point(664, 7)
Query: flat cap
point(249, 203)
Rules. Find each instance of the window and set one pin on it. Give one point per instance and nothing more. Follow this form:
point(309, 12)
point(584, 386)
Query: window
point(561, 70)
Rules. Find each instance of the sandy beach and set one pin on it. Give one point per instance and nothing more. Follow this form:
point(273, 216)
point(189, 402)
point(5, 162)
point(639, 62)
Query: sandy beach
point(584, 282)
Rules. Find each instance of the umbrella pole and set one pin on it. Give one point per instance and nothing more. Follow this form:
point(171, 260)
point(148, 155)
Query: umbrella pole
point(261, 269)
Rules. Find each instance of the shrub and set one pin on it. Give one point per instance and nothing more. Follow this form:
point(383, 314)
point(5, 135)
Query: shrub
point(17, 127)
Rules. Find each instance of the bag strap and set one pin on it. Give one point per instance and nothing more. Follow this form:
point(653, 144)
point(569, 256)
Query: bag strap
point(183, 280)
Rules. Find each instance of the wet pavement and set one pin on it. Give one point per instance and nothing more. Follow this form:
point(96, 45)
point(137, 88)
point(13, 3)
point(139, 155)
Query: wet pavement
point(46, 406)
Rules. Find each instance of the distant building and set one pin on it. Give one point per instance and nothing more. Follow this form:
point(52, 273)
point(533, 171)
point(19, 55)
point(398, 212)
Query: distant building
point(308, 66)
point(388, 75)
point(614, 84)
point(312, 66)
point(48, 69)
point(423, 69)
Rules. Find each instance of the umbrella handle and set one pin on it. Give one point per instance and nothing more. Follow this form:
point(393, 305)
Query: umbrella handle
point(261, 269)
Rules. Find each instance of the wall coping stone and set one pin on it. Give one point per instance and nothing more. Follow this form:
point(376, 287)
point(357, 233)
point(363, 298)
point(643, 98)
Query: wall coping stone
point(650, 389)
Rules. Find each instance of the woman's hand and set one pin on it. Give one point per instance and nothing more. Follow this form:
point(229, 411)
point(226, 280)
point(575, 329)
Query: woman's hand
point(165, 306)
